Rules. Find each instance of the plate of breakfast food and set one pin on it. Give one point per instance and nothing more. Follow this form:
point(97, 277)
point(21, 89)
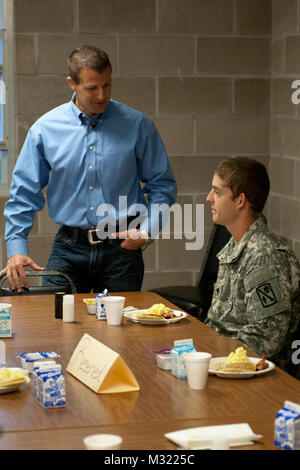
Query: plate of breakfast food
point(11, 378)
point(239, 366)
point(158, 314)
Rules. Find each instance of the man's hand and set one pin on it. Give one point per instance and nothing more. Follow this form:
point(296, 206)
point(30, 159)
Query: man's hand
point(133, 239)
point(15, 272)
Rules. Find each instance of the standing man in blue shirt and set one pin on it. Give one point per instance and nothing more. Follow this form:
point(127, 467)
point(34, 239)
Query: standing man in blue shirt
point(92, 153)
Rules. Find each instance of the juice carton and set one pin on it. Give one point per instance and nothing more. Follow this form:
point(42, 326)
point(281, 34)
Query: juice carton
point(287, 427)
point(178, 364)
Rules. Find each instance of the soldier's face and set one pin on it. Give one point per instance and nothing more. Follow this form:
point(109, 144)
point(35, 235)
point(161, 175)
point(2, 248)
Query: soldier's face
point(223, 207)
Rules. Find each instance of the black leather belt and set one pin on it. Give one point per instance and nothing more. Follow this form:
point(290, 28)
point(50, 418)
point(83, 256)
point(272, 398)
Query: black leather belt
point(90, 234)
point(81, 234)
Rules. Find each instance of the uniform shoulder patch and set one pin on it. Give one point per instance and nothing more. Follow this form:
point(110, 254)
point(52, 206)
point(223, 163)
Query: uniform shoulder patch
point(266, 295)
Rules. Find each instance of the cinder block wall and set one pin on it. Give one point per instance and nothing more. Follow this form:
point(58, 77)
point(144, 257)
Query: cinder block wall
point(200, 68)
point(285, 123)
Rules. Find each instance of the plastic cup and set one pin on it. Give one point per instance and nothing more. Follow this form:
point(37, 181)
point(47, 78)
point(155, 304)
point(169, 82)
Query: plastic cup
point(114, 309)
point(197, 364)
point(102, 442)
point(91, 308)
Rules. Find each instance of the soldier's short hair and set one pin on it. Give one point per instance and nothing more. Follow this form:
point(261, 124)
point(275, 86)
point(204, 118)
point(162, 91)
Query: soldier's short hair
point(89, 57)
point(248, 176)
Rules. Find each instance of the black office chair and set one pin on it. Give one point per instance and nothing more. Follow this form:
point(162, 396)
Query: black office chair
point(196, 300)
point(39, 290)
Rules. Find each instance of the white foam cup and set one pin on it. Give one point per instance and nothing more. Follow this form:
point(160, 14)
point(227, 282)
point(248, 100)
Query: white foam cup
point(114, 309)
point(197, 364)
point(102, 442)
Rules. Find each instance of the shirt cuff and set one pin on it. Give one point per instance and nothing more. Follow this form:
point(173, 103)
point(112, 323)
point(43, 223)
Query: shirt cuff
point(16, 247)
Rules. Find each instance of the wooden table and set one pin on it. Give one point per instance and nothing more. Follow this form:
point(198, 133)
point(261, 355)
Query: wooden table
point(163, 404)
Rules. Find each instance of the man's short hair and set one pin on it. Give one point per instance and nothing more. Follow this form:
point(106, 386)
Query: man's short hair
point(89, 57)
point(248, 176)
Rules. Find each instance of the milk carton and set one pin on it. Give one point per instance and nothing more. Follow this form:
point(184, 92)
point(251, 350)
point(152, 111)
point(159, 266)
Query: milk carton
point(28, 359)
point(5, 323)
point(49, 385)
point(37, 366)
point(178, 364)
point(287, 427)
point(100, 309)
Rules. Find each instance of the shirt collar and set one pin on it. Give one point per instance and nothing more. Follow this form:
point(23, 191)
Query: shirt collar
point(84, 117)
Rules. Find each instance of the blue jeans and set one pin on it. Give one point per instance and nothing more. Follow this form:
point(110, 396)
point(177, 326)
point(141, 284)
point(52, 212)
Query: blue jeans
point(95, 267)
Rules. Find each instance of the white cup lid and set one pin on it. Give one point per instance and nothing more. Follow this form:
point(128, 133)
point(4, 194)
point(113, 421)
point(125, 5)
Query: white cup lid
point(196, 356)
point(102, 441)
point(115, 298)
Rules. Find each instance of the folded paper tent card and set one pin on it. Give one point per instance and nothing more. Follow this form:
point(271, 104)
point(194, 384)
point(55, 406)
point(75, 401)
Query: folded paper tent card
point(100, 368)
point(202, 437)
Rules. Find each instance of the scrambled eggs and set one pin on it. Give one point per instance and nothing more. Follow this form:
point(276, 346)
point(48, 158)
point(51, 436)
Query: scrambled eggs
point(239, 355)
point(237, 361)
point(158, 310)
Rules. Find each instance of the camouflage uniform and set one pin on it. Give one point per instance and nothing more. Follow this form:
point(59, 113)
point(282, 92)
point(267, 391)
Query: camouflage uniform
point(256, 297)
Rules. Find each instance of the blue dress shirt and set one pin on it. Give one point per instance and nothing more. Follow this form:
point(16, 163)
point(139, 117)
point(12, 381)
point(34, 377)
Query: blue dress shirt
point(87, 163)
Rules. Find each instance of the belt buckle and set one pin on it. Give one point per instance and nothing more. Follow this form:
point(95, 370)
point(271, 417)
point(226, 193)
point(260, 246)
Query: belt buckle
point(91, 238)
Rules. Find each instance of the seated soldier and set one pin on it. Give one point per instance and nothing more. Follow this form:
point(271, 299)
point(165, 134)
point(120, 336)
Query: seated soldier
point(256, 296)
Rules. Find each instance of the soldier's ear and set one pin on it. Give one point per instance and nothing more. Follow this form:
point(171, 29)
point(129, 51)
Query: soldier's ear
point(242, 200)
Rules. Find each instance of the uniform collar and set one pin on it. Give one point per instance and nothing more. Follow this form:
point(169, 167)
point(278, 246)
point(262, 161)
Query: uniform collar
point(232, 250)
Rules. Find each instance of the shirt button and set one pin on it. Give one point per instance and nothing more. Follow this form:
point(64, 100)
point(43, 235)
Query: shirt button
point(90, 167)
point(91, 147)
point(91, 208)
point(90, 188)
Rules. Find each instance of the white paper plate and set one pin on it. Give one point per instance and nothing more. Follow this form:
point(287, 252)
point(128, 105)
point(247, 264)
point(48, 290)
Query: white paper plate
point(240, 375)
point(154, 321)
point(12, 388)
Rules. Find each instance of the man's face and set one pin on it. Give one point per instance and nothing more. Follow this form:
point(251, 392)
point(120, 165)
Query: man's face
point(224, 208)
point(93, 91)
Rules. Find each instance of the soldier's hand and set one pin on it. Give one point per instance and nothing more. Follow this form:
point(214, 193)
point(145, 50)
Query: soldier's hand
point(15, 272)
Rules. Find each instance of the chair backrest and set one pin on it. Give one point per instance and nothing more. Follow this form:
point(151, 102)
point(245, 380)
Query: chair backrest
point(209, 269)
point(39, 290)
